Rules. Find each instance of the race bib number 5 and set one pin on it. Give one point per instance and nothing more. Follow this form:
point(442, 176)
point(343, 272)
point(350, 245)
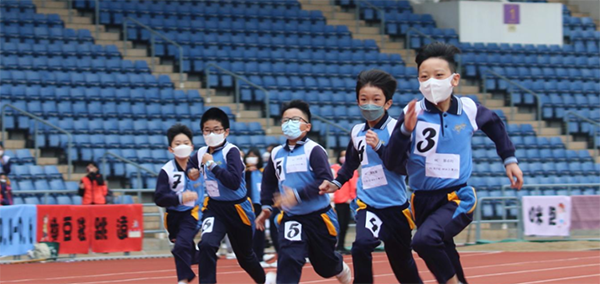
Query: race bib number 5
point(293, 231)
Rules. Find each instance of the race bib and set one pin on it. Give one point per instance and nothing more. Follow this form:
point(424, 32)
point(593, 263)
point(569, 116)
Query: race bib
point(279, 169)
point(212, 188)
point(426, 141)
point(373, 177)
point(373, 223)
point(207, 225)
point(361, 148)
point(296, 164)
point(293, 231)
point(442, 166)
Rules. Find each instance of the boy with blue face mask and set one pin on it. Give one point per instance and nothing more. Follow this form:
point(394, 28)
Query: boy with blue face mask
point(308, 225)
point(180, 196)
point(226, 209)
point(432, 140)
point(383, 213)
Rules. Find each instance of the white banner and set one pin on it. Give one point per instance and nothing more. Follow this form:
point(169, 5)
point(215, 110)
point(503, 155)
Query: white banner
point(546, 215)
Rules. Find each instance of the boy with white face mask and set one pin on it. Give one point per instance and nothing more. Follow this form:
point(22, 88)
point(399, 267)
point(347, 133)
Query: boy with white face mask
point(180, 196)
point(432, 140)
point(226, 209)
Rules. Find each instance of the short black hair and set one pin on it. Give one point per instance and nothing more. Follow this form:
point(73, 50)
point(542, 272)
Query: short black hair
point(440, 50)
point(299, 104)
point(217, 114)
point(178, 129)
point(379, 79)
point(256, 152)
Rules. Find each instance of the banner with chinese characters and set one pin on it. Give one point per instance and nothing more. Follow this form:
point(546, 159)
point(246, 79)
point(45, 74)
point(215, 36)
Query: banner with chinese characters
point(65, 224)
point(17, 229)
point(104, 228)
point(117, 229)
point(546, 215)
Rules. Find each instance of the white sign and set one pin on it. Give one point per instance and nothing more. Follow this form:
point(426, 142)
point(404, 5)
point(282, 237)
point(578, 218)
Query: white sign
point(546, 215)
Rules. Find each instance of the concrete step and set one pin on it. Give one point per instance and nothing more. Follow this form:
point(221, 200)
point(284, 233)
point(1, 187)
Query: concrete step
point(63, 13)
point(174, 76)
point(47, 161)
point(136, 52)
point(408, 54)
point(342, 16)
point(340, 22)
point(578, 145)
point(187, 85)
point(494, 104)
point(74, 176)
point(324, 8)
point(215, 100)
point(108, 36)
point(364, 30)
point(393, 47)
point(250, 114)
point(163, 68)
point(118, 43)
point(78, 20)
point(151, 219)
point(63, 169)
point(377, 38)
point(14, 144)
point(150, 209)
point(550, 131)
point(49, 4)
point(87, 26)
point(465, 89)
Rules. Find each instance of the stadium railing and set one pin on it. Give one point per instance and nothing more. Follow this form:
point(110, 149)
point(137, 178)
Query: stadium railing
point(595, 123)
point(382, 20)
point(328, 123)
point(134, 164)
point(512, 104)
point(153, 35)
point(37, 120)
point(238, 78)
point(479, 220)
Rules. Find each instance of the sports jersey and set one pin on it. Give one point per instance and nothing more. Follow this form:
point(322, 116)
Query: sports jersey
point(439, 148)
point(171, 183)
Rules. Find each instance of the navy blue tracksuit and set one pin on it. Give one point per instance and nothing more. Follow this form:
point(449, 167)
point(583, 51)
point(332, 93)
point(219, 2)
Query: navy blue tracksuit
point(382, 213)
point(437, 156)
point(310, 228)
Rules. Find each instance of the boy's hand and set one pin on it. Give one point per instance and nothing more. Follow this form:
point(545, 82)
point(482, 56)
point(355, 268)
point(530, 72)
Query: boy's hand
point(194, 174)
point(372, 139)
point(410, 118)
point(287, 199)
point(188, 196)
point(262, 217)
point(513, 171)
point(207, 157)
point(327, 187)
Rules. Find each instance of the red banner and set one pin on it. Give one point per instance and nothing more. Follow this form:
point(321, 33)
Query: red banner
point(117, 229)
point(104, 228)
point(66, 224)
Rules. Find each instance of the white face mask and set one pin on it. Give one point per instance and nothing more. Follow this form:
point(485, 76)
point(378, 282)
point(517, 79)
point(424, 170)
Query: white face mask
point(182, 151)
point(266, 156)
point(251, 160)
point(214, 140)
point(1, 152)
point(435, 90)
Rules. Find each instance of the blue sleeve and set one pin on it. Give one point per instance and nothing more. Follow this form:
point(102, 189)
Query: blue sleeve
point(394, 154)
point(491, 124)
point(352, 163)
point(232, 176)
point(322, 170)
point(193, 162)
point(269, 185)
point(163, 195)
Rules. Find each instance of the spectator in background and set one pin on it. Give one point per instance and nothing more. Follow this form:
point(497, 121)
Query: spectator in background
point(342, 199)
point(5, 191)
point(92, 187)
point(4, 161)
point(267, 154)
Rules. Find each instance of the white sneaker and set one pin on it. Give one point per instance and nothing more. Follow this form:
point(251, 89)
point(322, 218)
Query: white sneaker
point(230, 255)
point(264, 264)
point(274, 264)
point(307, 259)
point(183, 282)
point(345, 277)
point(271, 278)
point(268, 256)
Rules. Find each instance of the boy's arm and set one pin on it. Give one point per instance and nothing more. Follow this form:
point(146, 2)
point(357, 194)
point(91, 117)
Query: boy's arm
point(232, 175)
point(322, 170)
point(345, 173)
point(163, 195)
point(491, 124)
point(268, 186)
point(394, 154)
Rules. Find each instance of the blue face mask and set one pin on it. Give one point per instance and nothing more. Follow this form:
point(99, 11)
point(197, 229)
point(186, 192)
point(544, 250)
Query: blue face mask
point(371, 112)
point(291, 129)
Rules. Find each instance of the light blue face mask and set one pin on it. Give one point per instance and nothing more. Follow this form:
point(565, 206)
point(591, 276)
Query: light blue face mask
point(291, 129)
point(371, 112)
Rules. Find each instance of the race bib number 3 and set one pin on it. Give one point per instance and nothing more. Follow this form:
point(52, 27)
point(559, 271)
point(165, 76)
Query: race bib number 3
point(373, 177)
point(293, 231)
point(426, 141)
point(442, 166)
point(373, 223)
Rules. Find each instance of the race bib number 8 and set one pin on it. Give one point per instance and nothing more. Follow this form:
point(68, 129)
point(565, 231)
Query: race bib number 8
point(293, 231)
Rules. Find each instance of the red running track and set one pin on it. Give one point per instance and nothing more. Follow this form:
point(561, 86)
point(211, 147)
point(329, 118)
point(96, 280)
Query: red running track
point(480, 267)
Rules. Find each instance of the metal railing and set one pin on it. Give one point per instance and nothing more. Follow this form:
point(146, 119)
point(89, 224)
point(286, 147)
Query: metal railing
point(153, 35)
point(408, 34)
point(35, 138)
point(595, 126)
point(136, 165)
point(568, 186)
point(519, 221)
point(512, 104)
point(237, 78)
point(328, 123)
point(382, 15)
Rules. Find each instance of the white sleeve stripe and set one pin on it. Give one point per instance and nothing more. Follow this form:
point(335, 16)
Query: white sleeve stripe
point(470, 108)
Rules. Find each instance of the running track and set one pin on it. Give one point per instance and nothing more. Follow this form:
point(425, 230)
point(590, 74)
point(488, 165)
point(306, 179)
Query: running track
point(480, 267)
